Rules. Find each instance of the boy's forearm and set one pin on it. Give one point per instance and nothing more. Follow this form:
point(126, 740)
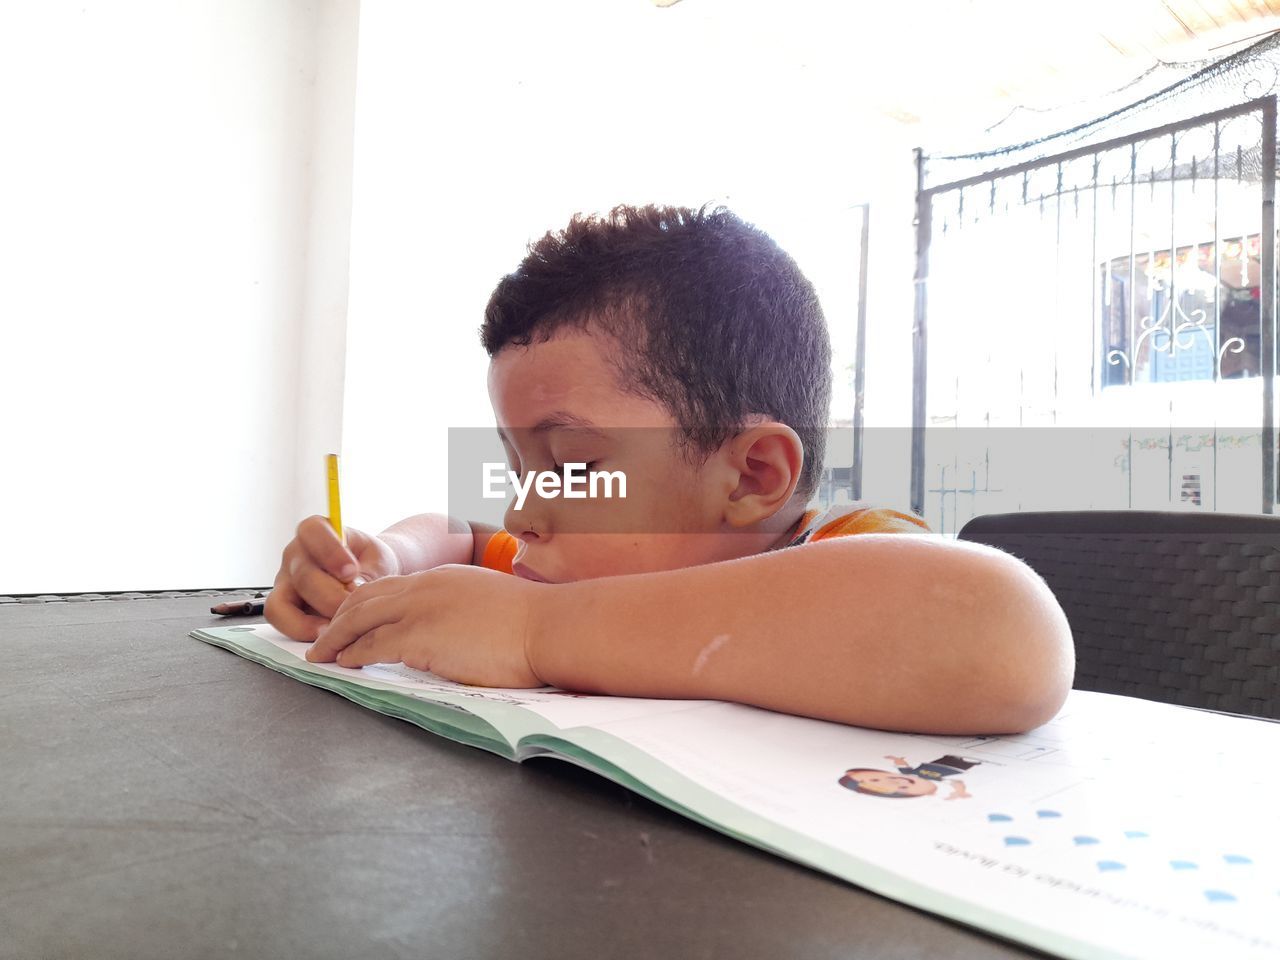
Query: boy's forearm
point(428, 540)
point(897, 632)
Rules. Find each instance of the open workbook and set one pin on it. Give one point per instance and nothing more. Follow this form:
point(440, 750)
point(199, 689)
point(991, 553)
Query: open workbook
point(1122, 828)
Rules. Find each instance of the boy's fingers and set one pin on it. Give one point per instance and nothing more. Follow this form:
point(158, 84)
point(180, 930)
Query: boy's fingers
point(361, 590)
point(352, 624)
point(321, 592)
point(326, 550)
point(379, 645)
point(284, 611)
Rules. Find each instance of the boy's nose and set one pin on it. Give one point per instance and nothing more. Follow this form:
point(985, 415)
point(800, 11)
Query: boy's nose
point(526, 525)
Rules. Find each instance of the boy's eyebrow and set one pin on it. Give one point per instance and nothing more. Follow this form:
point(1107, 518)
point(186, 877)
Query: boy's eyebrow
point(560, 419)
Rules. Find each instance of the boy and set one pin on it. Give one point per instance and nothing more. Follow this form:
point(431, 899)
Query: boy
point(684, 349)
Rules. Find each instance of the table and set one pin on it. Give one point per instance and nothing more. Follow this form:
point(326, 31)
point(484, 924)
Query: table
point(161, 797)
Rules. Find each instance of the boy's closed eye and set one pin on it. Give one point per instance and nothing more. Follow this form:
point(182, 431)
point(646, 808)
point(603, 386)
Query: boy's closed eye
point(588, 465)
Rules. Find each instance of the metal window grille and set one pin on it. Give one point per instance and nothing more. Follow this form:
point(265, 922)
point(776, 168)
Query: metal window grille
point(1097, 328)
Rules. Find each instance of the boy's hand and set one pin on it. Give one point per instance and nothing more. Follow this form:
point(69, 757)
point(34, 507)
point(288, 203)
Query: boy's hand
point(462, 623)
point(317, 573)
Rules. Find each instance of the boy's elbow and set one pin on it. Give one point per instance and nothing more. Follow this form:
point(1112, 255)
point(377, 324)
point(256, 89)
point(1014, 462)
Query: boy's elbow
point(1030, 645)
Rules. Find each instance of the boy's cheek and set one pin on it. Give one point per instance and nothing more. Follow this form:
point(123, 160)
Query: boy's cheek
point(588, 557)
point(635, 553)
point(586, 561)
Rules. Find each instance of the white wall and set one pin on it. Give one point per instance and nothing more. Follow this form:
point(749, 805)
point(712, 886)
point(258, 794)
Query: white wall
point(180, 200)
point(322, 347)
point(155, 186)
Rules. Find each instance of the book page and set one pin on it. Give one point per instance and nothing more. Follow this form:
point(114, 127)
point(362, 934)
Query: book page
point(548, 708)
point(1121, 828)
point(560, 708)
point(1135, 827)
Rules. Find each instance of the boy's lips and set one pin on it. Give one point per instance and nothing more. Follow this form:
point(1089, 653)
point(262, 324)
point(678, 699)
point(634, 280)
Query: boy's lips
point(522, 570)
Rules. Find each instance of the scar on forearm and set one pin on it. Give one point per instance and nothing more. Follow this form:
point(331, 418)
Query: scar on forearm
point(712, 646)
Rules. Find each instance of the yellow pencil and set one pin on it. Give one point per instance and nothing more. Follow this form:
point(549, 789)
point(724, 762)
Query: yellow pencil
point(335, 503)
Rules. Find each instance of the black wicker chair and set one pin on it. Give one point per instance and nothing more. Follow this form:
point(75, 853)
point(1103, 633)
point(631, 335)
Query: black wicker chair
point(1178, 607)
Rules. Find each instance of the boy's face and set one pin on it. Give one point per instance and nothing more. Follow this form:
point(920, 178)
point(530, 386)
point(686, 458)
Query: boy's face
point(559, 401)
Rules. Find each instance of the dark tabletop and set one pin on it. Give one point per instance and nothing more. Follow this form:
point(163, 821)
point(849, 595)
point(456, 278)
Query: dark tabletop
point(161, 797)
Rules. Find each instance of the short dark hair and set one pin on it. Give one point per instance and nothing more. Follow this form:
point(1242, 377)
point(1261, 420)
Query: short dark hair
point(716, 321)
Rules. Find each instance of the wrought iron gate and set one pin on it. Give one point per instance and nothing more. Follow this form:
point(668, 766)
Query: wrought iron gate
point(1098, 327)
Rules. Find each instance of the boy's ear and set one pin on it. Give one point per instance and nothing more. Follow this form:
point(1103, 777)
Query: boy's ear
point(767, 459)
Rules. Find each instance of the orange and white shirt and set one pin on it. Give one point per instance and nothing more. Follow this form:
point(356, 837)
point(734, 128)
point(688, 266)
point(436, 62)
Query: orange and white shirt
point(847, 519)
point(842, 520)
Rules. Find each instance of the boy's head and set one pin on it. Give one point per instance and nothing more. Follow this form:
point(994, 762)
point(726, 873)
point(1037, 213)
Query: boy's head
point(691, 324)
